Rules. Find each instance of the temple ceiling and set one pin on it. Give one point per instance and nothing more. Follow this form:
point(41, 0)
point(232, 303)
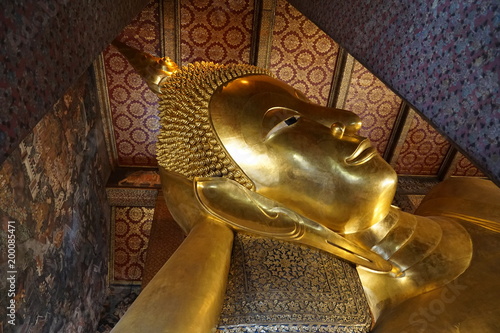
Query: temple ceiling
point(274, 35)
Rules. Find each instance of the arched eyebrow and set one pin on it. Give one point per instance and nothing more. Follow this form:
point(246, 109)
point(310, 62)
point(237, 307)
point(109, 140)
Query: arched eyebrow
point(277, 117)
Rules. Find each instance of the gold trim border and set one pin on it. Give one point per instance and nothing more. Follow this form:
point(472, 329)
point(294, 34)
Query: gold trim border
point(105, 110)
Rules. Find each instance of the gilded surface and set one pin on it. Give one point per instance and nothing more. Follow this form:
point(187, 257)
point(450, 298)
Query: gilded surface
point(187, 143)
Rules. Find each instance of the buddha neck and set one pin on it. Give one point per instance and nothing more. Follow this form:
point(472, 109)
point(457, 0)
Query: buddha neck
point(429, 251)
point(394, 238)
point(408, 240)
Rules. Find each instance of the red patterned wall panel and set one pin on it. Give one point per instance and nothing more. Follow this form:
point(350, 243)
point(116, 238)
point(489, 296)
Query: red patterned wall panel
point(302, 55)
point(376, 104)
point(464, 167)
point(217, 30)
point(133, 105)
point(423, 150)
point(132, 229)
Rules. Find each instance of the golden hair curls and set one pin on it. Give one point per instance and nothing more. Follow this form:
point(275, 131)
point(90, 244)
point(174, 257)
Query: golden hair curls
point(187, 143)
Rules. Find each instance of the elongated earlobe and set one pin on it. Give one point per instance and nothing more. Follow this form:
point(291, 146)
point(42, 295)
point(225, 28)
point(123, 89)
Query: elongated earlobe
point(250, 212)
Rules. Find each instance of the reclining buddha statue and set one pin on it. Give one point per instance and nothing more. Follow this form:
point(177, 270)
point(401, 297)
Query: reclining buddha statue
point(239, 150)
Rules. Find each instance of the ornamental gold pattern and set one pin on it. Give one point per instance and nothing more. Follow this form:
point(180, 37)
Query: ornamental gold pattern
point(187, 143)
point(276, 286)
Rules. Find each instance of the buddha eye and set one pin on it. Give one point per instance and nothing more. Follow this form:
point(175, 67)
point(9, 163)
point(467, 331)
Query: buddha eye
point(292, 120)
point(277, 118)
point(282, 124)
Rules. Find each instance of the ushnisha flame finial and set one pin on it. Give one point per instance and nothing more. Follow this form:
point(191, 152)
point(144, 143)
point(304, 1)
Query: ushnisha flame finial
point(152, 69)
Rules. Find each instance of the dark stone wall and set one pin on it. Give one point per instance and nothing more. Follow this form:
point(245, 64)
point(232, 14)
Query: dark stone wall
point(52, 189)
point(45, 46)
point(441, 56)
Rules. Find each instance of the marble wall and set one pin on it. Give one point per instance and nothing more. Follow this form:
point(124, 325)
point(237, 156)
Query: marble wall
point(52, 188)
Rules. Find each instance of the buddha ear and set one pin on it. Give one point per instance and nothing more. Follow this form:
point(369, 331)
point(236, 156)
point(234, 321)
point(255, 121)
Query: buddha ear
point(191, 201)
point(181, 200)
point(246, 210)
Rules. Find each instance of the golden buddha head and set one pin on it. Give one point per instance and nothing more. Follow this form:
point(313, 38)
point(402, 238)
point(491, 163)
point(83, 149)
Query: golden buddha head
point(238, 122)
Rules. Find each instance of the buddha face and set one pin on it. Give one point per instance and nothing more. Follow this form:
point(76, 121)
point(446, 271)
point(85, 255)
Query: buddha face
point(307, 157)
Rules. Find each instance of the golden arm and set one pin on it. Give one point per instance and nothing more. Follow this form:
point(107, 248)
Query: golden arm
point(186, 295)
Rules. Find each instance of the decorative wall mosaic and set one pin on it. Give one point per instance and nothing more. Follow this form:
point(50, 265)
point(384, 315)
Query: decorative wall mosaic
point(52, 187)
point(45, 46)
point(218, 30)
point(376, 104)
point(302, 55)
point(442, 57)
point(133, 105)
point(464, 167)
point(423, 150)
point(166, 237)
point(132, 227)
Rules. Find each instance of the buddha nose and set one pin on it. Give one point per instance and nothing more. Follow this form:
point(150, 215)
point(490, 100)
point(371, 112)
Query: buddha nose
point(344, 123)
point(353, 126)
point(338, 130)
